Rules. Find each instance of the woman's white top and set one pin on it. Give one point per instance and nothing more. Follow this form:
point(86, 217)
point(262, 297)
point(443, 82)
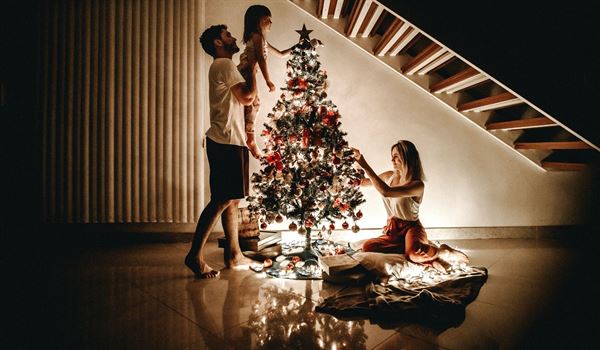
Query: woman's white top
point(405, 208)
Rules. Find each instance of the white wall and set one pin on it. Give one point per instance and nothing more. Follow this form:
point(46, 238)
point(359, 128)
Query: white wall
point(473, 180)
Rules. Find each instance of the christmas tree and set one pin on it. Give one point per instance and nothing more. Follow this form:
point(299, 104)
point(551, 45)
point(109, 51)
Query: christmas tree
point(307, 174)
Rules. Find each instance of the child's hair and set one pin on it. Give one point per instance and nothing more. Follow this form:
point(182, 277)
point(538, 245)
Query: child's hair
point(207, 39)
point(411, 158)
point(252, 18)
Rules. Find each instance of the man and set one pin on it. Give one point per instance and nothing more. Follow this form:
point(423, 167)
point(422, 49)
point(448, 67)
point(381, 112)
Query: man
point(226, 150)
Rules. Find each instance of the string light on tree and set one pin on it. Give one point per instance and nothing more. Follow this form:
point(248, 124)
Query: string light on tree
point(308, 173)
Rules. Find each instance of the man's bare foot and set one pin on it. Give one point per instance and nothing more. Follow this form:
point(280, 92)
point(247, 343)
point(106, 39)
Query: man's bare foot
point(239, 263)
point(200, 269)
point(452, 255)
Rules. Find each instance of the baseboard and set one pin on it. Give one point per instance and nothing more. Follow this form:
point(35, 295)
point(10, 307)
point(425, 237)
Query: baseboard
point(176, 232)
point(151, 227)
point(527, 232)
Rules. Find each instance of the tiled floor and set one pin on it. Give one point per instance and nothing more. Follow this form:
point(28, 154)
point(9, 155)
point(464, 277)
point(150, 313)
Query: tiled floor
point(140, 296)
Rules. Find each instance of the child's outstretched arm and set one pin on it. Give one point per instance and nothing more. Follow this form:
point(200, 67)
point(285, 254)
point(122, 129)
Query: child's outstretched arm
point(281, 54)
point(258, 42)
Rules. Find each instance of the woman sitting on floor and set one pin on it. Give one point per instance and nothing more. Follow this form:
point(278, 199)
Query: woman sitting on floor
point(402, 191)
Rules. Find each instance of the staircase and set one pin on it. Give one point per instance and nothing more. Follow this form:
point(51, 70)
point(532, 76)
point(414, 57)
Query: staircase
point(515, 122)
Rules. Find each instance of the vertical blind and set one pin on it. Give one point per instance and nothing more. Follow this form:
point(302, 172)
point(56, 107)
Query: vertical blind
point(121, 104)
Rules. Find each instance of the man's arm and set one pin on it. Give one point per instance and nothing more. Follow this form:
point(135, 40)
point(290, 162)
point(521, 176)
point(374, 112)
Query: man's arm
point(246, 92)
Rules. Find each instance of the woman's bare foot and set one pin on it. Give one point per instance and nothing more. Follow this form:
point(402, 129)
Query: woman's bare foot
point(441, 265)
point(200, 269)
point(452, 255)
point(239, 263)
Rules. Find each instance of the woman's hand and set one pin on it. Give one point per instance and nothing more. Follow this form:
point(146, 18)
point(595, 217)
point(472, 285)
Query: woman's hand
point(358, 156)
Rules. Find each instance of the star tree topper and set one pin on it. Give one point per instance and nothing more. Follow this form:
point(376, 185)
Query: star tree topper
point(304, 33)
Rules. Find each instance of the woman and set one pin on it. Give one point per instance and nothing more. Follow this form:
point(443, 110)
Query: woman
point(402, 191)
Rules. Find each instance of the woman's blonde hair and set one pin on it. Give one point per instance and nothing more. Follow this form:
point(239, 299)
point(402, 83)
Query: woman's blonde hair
point(411, 158)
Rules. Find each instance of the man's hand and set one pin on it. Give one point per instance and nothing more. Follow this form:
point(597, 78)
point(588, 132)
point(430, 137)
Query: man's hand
point(254, 150)
point(271, 86)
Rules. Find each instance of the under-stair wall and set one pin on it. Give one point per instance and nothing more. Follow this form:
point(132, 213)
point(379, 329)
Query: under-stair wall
point(509, 118)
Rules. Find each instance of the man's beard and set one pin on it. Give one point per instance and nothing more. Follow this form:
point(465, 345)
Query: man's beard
point(233, 48)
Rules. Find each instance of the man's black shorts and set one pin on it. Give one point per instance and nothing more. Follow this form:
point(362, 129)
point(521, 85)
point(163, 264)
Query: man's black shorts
point(228, 170)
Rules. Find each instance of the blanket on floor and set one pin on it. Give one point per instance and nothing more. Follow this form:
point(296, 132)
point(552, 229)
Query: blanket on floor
point(413, 292)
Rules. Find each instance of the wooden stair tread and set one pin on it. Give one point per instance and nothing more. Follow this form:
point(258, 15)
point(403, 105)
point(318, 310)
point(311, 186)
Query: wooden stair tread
point(504, 99)
point(454, 80)
point(521, 124)
point(548, 145)
point(563, 165)
point(422, 58)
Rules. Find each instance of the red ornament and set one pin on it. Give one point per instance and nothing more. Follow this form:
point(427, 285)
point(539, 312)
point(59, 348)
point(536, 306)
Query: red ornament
point(305, 138)
point(331, 226)
point(296, 258)
point(345, 225)
point(274, 157)
point(308, 223)
point(302, 84)
point(336, 160)
point(344, 207)
point(293, 138)
point(330, 119)
point(263, 226)
point(359, 214)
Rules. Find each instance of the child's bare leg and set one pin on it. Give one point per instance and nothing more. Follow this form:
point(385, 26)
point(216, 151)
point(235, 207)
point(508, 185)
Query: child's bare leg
point(250, 113)
point(252, 146)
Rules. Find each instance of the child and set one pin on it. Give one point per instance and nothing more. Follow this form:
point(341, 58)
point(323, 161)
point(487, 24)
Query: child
point(257, 23)
point(402, 190)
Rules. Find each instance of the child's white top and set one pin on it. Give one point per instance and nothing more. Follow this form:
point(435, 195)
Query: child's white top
point(250, 54)
point(405, 208)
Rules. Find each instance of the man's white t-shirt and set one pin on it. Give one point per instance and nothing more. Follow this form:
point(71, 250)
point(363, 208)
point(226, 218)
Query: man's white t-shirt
point(226, 112)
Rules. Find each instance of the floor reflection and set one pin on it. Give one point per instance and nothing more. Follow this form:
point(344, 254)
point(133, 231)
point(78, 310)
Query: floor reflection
point(240, 293)
point(283, 319)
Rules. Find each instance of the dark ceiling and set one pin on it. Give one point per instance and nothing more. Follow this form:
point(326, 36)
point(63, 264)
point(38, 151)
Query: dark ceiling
point(543, 51)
